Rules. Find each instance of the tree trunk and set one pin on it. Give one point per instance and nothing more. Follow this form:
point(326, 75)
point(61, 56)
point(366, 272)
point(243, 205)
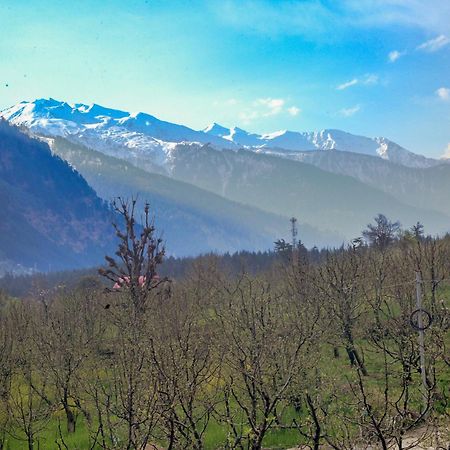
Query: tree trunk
point(353, 354)
point(70, 417)
point(317, 427)
point(30, 442)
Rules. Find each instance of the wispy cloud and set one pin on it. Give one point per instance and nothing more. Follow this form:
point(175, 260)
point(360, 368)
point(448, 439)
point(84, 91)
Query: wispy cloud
point(348, 112)
point(347, 84)
point(368, 79)
point(446, 154)
point(443, 93)
point(267, 107)
point(433, 45)
point(293, 110)
point(231, 102)
point(227, 102)
point(248, 116)
point(273, 106)
point(313, 18)
point(394, 55)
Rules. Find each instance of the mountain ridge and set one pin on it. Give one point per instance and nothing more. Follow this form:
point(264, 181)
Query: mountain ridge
point(331, 189)
point(147, 136)
point(192, 218)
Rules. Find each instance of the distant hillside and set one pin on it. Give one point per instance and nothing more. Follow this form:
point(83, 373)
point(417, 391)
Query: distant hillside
point(427, 188)
point(51, 218)
point(325, 200)
point(194, 220)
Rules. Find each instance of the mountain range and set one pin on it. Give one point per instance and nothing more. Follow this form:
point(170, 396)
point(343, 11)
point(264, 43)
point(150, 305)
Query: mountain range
point(146, 137)
point(226, 189)
point(193, 220)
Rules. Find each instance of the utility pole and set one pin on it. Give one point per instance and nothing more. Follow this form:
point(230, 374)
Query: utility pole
point(294, 233)
point(421, 335)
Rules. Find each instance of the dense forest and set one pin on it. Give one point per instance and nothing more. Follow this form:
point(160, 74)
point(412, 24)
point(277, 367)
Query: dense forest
point(342, 348)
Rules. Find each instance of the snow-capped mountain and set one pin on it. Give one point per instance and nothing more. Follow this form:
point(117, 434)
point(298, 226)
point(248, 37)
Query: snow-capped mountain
point(332, 180)
point(147, 141)
point(321, 140)
point(118, 133)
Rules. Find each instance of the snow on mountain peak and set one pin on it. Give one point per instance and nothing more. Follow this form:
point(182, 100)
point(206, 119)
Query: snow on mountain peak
point(215, 129)
point(140, 135)
point(274, 135)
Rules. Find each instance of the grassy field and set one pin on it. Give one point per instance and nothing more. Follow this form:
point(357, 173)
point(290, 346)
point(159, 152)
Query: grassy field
point(53, 432)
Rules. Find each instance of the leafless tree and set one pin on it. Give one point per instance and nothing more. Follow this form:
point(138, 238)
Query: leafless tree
point(29, 404)
point(126, 393)
point(339, 280)
point(262, 340)
point(187, 365)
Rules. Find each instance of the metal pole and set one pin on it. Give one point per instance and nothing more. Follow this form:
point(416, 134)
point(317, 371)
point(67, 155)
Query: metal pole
point(294, 241)
point(421, 335)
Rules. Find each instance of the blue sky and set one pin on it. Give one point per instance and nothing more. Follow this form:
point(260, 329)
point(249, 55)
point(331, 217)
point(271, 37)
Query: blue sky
point(373, 67)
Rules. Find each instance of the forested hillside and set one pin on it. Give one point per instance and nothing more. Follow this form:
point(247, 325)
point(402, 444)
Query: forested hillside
point(51, 218)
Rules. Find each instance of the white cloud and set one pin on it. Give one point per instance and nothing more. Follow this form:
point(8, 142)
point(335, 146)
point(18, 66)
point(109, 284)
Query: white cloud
point(293, 110)
point(315, 18)
point(227, 102)
point(231, 102)
point(267, 107)
point(435, 44)
point(248, 116)
point(347, 84)
point(394, 55)
point(446, 155)
point(348, 112)
point(443, 93)
point(368, 79)
point(274, 105)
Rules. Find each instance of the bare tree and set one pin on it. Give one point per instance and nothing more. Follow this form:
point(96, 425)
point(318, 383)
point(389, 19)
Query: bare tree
point(6, 365)
point(126, 393)
point(63, 345)
point(29, 404)
point(262, 339)
point(188, 367)
point(339, 280)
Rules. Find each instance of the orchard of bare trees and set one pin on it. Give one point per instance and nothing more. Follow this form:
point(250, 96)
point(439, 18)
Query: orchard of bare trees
point(312, 353)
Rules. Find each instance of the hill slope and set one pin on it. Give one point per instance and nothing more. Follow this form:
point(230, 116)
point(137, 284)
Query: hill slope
point(427, 188)
point(194, 220)
point(51, 218)
point(324, 200)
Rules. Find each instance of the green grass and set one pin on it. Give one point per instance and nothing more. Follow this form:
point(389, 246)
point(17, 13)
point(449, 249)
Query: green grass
point(46, 439)
point(216, 433)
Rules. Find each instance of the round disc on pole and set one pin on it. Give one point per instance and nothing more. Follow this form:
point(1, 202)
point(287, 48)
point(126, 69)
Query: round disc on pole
point(418, 314)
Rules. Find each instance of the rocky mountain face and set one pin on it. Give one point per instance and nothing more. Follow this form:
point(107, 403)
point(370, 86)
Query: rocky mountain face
point(332, 141)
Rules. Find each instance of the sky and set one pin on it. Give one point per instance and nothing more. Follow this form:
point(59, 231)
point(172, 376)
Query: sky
point(370, 67)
